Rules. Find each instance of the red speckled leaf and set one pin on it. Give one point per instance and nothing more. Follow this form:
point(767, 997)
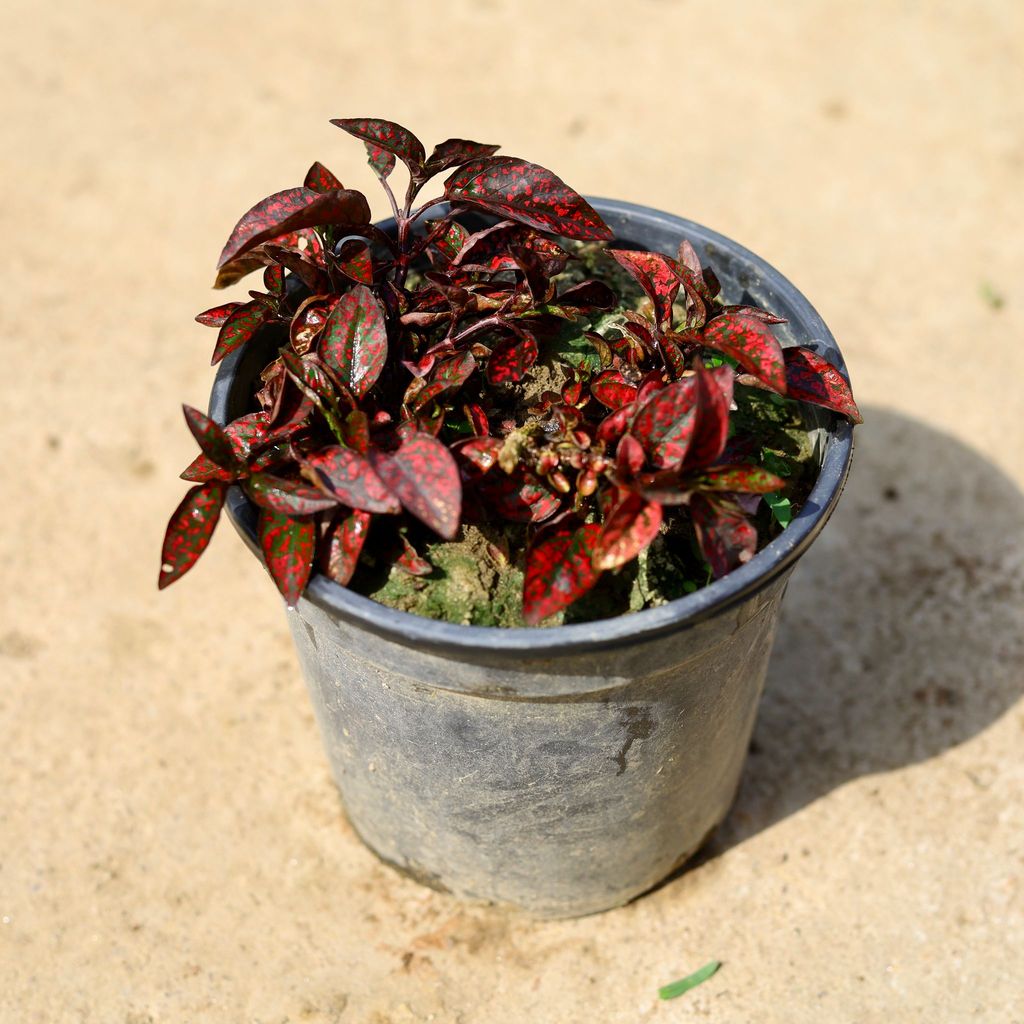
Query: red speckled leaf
point(355, 340)
point(453, 152)
point(520, 497)
point(343, 546)
point(382, 162)
point(289, 497)
point(273, 279)
point(632, 525)
point(477, 419)
point(751, 344)
point(726, 536)
point(512, 358)
point(764, 315)
point(239, 327)
point(612, 427)
point(319, 179)
point(610, 388)
point(665, 423)
point(216, 315)
point(657, 274)
point(351, 478)
point(454, 372)
point(309, 321)
point(424, 477)
point(354, 261)
point(357, 431)
point(304, 241)
point(811, 378)
point(245, 434)
point(385, 135)
point(480, 455)
point(743, 479)
point(189, 530)
point(629, 457)
point(211, 438)
point(288, 546)
point(412, 562)
point(305, 267)
point(451, 241)
point(527, 193)
point(714, 397)
point(559, 569)
point(687, 257)
point(290, 210)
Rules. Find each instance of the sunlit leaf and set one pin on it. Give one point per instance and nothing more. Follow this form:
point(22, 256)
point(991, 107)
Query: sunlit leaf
point(189, 530)
point(288, 545)
point(527, 193)
point(559, 570)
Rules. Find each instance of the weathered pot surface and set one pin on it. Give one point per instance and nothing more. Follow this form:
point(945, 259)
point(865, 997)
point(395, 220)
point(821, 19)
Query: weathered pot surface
point(566, 770)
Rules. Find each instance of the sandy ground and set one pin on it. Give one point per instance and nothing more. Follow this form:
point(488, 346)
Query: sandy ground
point(171, 847)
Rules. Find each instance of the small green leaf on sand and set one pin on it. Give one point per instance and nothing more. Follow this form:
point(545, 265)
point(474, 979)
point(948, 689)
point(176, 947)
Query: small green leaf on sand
point(677, 988)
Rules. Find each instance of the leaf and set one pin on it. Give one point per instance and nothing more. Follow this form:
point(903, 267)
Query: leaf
point(411, 561)
point(748, 341)
point(189, 530)
point(216, 315)
point(351, 478)
point(559, 570)
point(382, 162)
point(527, 193)
point(273, 279)
point(423, 475)
point(782, 508)
point(354, 343)
point(453, 152)
point(290, 210)
point(245, 433)
point(239, 327)
point(344, 544)
point(386, 135)
point(629, 457)
point(288, 497)
point(666, 422)
point(309, 321)
point(810, 378)
point(451, 241)
point(288, 545)
point(631, 526)
point(726, 536)
point(687, 257)
point(512, 358)
point(520, 497)
point(211, 438)
point(714, 398)
point(743, 479)
point(303, 266)
point(610, 388)
point(677, 988)
point(481, 454)
point(657, 274)
point(319, 179)
point(354, 260)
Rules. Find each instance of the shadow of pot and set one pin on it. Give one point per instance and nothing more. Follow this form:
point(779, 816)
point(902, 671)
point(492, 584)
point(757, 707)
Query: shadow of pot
point(562, 771)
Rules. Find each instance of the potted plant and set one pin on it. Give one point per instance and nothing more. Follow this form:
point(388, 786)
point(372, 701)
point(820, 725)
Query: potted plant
point(531, 477)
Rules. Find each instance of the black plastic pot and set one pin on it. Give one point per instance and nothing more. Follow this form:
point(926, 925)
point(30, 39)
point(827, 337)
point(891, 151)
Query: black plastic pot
point(567, 770)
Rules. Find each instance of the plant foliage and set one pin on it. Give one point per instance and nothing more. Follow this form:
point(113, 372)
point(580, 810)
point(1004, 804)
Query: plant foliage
point(395, 390)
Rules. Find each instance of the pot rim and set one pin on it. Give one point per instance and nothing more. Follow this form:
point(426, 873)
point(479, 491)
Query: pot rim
point(563, 641)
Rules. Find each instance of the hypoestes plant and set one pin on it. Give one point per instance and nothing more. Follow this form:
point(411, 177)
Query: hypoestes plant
point(399, 387)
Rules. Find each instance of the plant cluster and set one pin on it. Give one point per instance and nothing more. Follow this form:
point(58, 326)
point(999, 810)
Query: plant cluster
point(395, 391)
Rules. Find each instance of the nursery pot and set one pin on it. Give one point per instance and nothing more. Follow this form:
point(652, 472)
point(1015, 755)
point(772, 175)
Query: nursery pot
point(565, 770)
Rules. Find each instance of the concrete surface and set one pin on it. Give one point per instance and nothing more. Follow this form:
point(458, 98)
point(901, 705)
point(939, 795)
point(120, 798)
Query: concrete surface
point(171, 848)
